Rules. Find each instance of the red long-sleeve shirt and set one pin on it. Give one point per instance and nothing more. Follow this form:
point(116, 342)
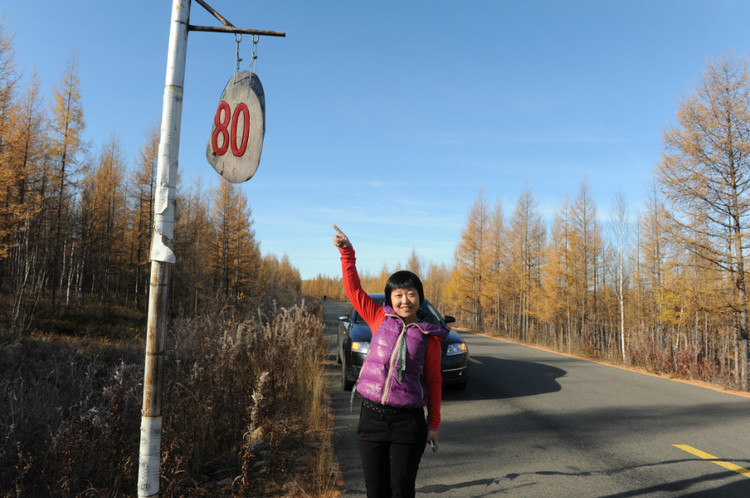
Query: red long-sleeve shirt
point(373, 314)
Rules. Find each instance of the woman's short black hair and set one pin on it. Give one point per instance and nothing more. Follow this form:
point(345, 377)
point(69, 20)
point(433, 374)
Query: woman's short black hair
point(403, 279)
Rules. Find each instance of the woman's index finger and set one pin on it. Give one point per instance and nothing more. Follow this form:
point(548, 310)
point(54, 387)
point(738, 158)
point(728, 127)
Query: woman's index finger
point(338, 230)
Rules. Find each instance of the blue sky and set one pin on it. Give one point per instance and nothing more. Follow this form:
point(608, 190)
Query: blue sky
point(387, 118)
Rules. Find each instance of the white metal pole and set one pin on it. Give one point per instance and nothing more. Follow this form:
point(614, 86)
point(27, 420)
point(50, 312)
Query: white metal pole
point(162, 256)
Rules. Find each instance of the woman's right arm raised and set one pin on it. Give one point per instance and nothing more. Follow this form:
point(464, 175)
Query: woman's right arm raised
point(367, 308)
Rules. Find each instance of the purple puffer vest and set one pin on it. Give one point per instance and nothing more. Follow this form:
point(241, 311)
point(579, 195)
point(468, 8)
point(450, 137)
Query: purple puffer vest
point(378, 379)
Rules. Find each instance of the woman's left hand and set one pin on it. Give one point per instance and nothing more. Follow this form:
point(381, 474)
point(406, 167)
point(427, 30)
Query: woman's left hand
point(432, 435)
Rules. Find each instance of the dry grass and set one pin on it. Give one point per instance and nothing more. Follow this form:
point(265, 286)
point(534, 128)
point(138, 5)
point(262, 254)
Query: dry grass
point(245, 412)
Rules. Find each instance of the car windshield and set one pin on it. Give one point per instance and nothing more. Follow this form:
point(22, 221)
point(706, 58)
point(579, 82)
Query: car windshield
point(427, 312)
point(433, 316)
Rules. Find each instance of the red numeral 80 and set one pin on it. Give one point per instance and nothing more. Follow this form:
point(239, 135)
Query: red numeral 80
point(223, 119)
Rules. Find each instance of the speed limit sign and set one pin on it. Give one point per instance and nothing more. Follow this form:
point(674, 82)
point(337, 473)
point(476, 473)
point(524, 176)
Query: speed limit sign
point(238, 128)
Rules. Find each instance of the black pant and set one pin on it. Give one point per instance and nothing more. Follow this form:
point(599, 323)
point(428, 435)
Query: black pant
point(391, 443)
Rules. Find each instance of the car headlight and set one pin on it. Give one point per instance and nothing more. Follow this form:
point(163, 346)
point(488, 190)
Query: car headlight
point(456, 348)
point(360, 347)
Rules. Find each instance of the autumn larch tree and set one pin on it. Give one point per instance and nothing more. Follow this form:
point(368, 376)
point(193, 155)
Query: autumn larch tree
point(67, 127)
point(585, 244)
point(27, 272)
point(108, 211)
point(436, 285)
point(469, 256)
point(557, 279)
point(526, 242)
point(142, 186)
point(653, 247)
point(414, 264)
point(237, 257)
point(494, 261)
point(705, 175)
point(194, 280)
point(620, 236)
point(10, 176)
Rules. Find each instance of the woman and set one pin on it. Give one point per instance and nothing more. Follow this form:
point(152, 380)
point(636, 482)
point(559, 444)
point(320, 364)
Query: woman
point(399, 377)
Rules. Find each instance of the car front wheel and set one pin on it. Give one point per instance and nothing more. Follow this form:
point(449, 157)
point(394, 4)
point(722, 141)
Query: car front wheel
point(346, 384)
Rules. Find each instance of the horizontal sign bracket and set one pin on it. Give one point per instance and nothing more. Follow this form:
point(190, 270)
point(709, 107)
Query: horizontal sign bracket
point(228, 26)
point(242, 31)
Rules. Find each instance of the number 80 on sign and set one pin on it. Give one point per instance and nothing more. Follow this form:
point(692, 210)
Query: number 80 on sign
point(226, 128)
point(238, 128)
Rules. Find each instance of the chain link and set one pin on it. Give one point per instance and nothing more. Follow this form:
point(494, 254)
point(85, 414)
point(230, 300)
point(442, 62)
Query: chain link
point(237, 58)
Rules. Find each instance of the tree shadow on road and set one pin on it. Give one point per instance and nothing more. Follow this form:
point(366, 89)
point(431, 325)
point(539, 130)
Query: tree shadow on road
point(516, 379)
point(509, 483)
point(737, 488)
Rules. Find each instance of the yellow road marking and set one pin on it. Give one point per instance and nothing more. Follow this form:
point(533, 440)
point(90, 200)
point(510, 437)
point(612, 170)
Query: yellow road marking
point(475, 361)
point(713, 459)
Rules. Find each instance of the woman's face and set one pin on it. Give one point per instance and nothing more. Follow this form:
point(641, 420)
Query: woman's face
point(405, 303)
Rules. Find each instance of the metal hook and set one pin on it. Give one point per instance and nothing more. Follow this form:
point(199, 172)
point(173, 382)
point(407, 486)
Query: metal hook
point(238, 59)
point(253, 62)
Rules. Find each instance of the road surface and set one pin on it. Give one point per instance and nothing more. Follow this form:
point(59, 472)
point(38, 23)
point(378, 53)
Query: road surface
point(538, 424)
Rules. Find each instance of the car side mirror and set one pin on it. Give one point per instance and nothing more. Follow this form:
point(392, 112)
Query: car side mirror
point(449, 319)
point(344, 318)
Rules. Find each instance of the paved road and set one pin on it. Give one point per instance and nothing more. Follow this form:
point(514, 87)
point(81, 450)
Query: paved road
point(538, 424)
